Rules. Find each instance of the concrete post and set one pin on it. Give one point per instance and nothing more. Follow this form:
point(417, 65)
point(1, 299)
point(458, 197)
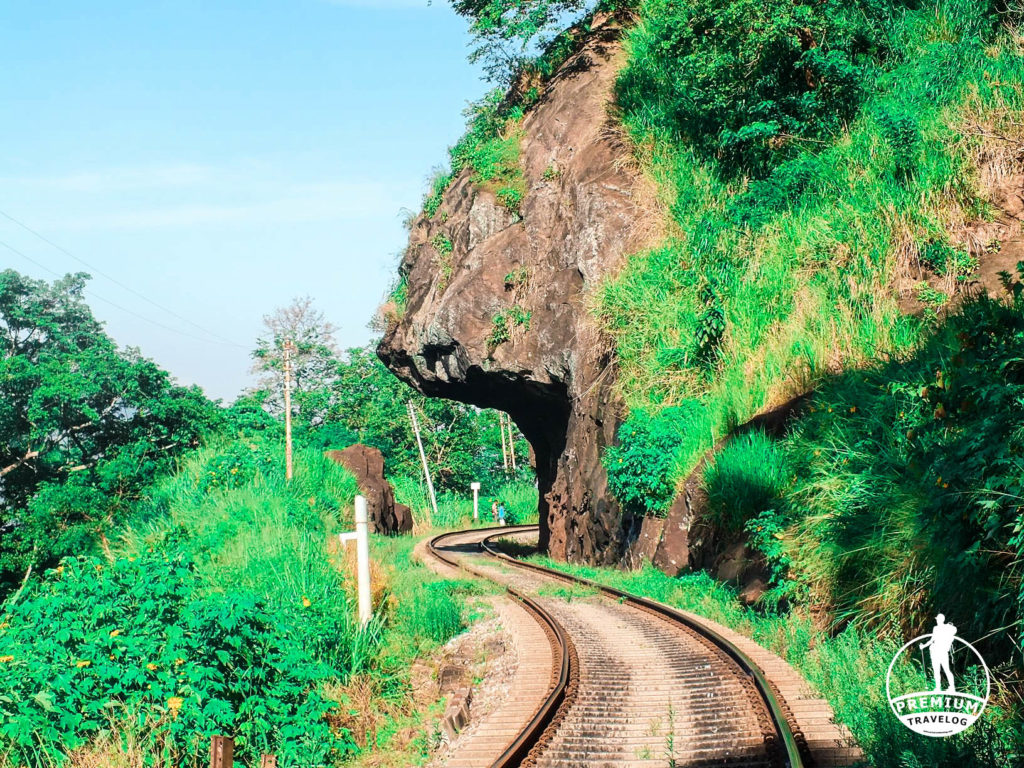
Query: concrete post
point(363, 561)
point(476, 500)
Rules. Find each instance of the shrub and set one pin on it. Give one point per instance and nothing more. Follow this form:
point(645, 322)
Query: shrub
point(640, 466)
point(136, 634)
point(745, 479)
point(745, 81)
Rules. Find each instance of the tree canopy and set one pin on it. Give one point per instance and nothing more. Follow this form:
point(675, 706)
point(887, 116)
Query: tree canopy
point(84, 425)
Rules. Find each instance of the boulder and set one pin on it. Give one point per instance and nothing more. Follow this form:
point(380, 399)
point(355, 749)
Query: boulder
point(367, 464)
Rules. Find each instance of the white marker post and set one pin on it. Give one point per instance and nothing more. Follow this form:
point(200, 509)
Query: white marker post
point(476, 500)
point(363, 561)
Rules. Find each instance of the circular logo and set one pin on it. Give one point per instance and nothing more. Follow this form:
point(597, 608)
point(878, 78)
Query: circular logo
point(938, 684)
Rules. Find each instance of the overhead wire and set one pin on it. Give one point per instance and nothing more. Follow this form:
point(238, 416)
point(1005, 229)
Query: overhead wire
point(116, 282)
point(131, 312)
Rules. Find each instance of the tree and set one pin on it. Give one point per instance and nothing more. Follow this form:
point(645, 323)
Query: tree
point(314, 360)
point(84, 426)
point(506, 32)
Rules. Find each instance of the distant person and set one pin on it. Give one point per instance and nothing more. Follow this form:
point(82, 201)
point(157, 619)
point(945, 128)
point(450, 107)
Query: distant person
point(941, 643)
point(494, 510)
point(501, 513)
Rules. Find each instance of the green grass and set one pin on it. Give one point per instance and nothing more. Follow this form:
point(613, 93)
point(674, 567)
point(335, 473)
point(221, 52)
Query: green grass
point(744, 479)
point(226, 570)
point(456, 510)
point(765, 286)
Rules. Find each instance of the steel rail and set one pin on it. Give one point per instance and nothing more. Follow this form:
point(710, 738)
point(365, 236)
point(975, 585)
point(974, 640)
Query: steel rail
point(793, 757)
point(516, 753)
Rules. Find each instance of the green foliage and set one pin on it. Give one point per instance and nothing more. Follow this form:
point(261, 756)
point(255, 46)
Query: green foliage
point(745, 479)
point(948, 261)
point(438, 185)
point(640, 466)
point(84, 426)
point(136, 634)
point(372, 404)
point(748, 81)
point(511, 198)
point(909, 487)
point(504, 323)
point(442, 243)
point(504, 31)
point(767, 284)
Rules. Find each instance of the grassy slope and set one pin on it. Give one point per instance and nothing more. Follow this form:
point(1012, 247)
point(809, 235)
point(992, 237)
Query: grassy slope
point(231, 558)
point(805, 275)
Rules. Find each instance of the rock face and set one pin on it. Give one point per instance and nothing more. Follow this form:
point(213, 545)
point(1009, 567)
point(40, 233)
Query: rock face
point(554, 376)
point(367, 464)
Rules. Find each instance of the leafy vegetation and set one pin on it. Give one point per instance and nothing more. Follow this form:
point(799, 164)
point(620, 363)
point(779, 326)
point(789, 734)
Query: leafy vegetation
point(745, 480)
point(84, 426)
point(504, 324)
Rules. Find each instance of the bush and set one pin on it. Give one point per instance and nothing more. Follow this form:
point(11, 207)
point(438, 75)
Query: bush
point(639, 467)
point(136, 634)
point(746, 478)
point(746, 81)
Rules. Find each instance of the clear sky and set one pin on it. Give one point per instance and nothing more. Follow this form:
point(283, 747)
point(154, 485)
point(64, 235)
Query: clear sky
point(221, 158)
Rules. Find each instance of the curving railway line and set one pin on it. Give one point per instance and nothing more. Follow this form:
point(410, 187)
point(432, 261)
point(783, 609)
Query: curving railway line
point(635, 683)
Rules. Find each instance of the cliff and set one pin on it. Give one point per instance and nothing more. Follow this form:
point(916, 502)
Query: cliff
point(500, 320)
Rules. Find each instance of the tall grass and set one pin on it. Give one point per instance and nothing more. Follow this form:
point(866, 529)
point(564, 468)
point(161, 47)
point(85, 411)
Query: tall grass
point(745, 479)
point(806, 267)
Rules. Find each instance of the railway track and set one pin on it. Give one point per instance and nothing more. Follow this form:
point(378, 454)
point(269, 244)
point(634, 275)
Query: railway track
point(635, 683)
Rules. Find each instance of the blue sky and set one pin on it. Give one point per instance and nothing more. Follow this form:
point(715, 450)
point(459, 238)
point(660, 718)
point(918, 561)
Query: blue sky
point(221, 158)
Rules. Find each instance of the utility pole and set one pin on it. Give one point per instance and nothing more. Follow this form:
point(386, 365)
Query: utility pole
point(289, 347)
point(423, 457)
point(511, 443)
point(501, 430)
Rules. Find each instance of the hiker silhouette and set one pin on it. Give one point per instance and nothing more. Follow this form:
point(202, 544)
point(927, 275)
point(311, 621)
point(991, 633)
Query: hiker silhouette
point(941, 644)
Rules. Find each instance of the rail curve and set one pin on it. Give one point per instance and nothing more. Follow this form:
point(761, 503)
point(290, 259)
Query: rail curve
point(677, 638)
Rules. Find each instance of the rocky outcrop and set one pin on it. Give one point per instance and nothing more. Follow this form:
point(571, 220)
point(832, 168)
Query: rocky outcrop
point(367, 464)
point(554, 374)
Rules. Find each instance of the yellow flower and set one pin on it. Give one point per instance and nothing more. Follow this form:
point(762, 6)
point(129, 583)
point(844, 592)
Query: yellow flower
point(305, 602)
point(151, 667)
point(178, 662)
point(945, 485)
point(82, 663)
point(853, 409)
point(234, 470)
point(60, 569)
point(5, 659)
point(174, 703)
point(115, 632)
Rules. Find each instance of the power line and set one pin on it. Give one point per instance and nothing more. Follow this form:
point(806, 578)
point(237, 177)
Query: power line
point(115, 281)
point(94, 295)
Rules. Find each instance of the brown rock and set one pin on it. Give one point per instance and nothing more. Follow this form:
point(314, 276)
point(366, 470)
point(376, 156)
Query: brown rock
point(367, 464)
point(581, 216)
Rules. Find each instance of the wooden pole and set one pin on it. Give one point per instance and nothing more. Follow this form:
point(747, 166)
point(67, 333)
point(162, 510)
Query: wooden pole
point(423, 457)
point(501, 429)
point(511, 443)
point(288, 346)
